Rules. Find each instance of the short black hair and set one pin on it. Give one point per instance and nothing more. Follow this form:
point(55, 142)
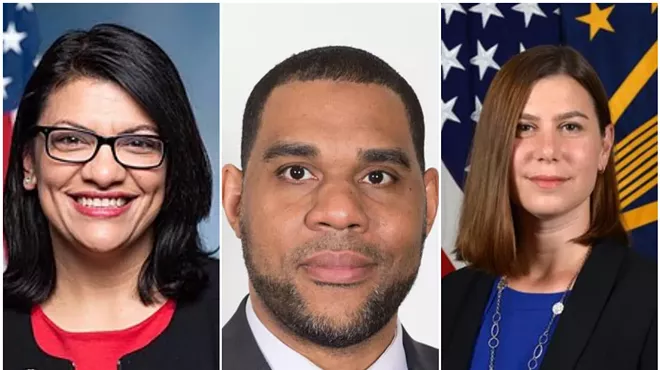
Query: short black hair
point(141, 68)
point(334, 63)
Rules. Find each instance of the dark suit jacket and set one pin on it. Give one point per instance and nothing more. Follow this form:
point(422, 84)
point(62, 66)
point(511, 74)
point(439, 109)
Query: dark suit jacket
point(241, 352)
point(610, 319)
point(190, 341)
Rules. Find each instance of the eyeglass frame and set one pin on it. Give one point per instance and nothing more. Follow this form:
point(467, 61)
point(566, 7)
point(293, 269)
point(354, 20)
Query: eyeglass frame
point(100, 141)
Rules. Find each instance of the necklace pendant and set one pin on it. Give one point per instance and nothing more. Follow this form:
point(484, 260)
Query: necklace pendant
point(558, 308)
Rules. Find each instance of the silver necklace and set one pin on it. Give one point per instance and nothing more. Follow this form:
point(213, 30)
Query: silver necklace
point(557, 309)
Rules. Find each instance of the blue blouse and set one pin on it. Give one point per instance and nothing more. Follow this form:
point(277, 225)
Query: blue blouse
point(524, 318)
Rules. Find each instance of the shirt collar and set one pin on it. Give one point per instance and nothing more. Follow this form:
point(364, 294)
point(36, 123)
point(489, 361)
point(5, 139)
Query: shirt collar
point(280, 356)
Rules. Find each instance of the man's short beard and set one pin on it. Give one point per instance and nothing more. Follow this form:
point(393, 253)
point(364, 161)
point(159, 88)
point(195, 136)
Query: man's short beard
point(289, 308)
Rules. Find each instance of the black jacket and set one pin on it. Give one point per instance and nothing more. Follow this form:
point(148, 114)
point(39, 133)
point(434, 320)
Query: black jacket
point(241, 352)
point(610, 319)
point(190, 341)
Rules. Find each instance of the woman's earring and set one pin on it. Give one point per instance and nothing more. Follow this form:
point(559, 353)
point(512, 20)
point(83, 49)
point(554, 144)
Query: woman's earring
point(27, 181)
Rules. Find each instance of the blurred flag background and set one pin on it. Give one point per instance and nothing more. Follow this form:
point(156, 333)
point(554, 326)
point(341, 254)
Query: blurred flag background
point(619, 40)
point(20, 45)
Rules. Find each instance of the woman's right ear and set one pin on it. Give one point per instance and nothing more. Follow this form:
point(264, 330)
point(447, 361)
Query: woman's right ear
point(232, 187)
point(29, 175)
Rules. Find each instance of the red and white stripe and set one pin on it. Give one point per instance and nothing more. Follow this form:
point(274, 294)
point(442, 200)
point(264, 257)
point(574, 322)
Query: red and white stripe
point(451, 199)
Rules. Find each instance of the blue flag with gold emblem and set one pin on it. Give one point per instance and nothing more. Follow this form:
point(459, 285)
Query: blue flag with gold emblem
point(619, 40)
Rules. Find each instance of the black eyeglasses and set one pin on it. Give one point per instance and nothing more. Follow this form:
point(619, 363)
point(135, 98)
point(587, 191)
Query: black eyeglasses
point(77, 146)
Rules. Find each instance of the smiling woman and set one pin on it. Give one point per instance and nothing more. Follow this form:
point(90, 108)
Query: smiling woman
point(551, 281)
point(107, 181)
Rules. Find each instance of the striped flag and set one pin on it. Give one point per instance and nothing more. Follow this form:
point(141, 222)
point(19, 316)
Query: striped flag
point(20, 44)
point(619, 40)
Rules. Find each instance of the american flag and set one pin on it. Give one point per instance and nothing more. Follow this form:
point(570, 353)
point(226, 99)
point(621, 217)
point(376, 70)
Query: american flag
point(619, 40)
point(20, 45)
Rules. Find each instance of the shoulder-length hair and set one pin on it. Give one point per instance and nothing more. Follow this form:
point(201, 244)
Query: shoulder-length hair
point(487, 232)
point(140, 67)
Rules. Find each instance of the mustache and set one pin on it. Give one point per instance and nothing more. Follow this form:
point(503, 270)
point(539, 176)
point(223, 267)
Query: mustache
point(333, 243)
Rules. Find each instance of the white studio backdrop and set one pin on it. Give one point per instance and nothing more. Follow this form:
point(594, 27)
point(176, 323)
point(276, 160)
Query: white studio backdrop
point(255, 37)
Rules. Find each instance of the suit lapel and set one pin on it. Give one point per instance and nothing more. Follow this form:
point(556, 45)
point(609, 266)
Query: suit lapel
point(239, 348)
point(584, 306)
point(21, 350)
point(468, 323)
point(419, 356)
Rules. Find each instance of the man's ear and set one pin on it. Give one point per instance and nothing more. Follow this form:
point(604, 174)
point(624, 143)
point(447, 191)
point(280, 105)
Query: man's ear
point(232, 187)
point(431, 186)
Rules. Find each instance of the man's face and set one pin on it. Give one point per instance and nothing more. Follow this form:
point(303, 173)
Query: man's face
point(332, 214)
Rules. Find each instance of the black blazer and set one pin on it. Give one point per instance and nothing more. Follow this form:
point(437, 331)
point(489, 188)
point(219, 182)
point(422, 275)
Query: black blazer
point(190, 341)
point(241, 352)
point(610, 320)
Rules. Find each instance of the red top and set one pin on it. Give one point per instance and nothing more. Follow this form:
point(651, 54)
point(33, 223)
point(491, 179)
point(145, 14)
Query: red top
point(98, 350)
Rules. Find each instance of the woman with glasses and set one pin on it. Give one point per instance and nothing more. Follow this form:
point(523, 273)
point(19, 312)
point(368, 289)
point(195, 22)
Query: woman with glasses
point(107, 181)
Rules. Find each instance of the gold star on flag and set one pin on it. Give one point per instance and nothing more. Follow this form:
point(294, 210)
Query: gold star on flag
point(597, 20)
point(654, 7)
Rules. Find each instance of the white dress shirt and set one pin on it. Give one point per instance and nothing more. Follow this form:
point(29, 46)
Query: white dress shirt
point(282, 357)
